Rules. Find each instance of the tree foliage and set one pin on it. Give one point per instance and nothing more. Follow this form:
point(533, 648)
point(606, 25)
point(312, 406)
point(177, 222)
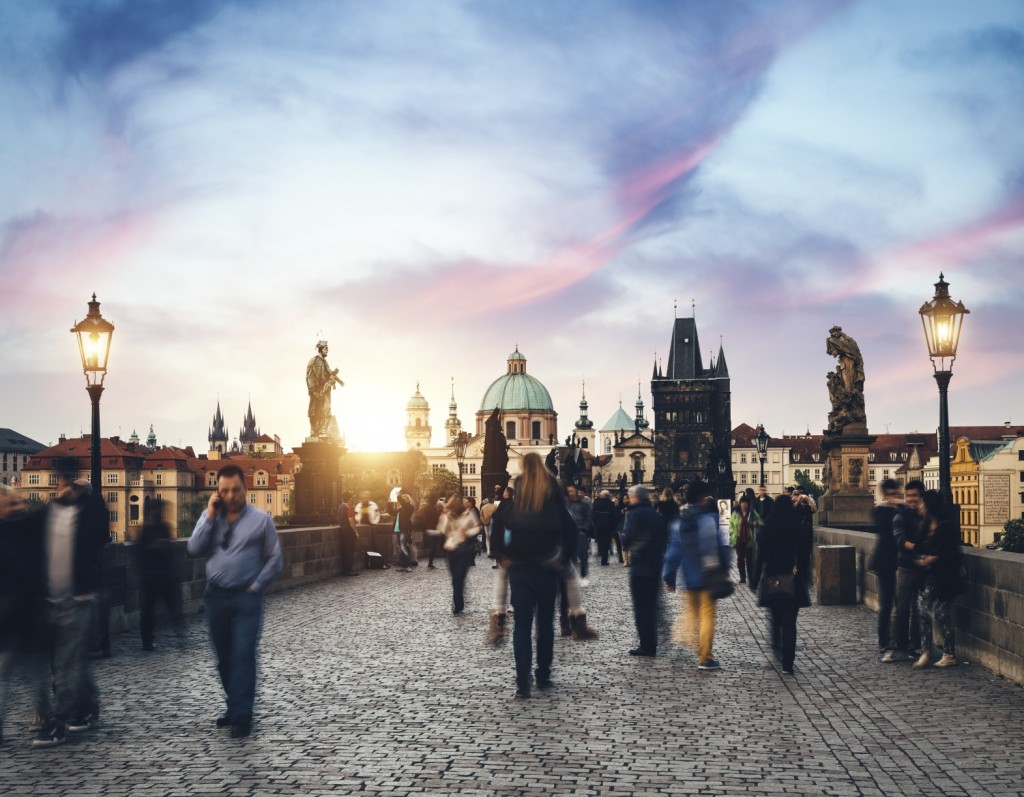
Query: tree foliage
point(189, 513)
point(802, 481)
point(1013, 536)
point(443, 482)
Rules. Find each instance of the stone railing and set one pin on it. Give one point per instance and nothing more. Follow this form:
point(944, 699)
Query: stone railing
point(989, 616)
point(310, 554)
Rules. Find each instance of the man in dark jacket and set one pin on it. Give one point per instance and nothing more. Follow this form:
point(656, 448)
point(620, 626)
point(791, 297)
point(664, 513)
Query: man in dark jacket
point(645, 535)
point(883, 558)
point(763, 503)
point(349, 536)
point(77, 527)
point(604, 518)
point(909, 577)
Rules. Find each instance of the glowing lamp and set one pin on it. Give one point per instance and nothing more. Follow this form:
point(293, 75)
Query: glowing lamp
point(94, 333)
point(942, 319)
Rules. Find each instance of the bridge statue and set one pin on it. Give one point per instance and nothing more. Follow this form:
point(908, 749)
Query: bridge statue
point(320, 381)
point(846, 383)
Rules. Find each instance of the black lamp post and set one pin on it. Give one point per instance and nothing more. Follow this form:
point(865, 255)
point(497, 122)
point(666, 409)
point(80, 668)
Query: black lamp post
point(94, 333)
point(721, 478)
point(942, 319)
point(762, 448)
point(460, 454)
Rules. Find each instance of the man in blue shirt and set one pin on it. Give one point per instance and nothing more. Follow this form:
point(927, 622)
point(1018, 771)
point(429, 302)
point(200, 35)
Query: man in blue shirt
point(243, 554)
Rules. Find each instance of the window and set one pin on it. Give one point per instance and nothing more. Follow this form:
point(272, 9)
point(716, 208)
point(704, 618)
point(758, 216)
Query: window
point(252, 498)
point(815, 457)
point(871, 456)
point(817, 474)
point(871, 474)
point(435, 468)
point(53, 479)
point(535, 430)
point(796, 457)
point(111, 478)
point(471, 490)
point(284, 499)
point(417, 423)
point(892, 456)
point(510, 430)
point(261, 478)
point(33, 478)
point(52, 496)
point(33, 496)
point(743, 478)
point(472, 467)
point(113, 516)
point(111, 498)
point(159, 479)
point(743, 459)
point(885, 473)
point(211, 478)
point(270, 498)
point(608, 446)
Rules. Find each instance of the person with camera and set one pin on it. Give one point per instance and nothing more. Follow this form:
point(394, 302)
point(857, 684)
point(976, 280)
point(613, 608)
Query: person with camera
point(243, 555)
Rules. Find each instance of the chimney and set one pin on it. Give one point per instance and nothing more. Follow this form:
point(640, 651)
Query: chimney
point(62, 439)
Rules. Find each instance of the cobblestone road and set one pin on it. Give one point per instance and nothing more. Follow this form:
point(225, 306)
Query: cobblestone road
point(370, 685)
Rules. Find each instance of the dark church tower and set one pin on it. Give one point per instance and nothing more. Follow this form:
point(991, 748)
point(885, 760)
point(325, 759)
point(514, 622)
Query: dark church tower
point(692, 415)
point(218, 435)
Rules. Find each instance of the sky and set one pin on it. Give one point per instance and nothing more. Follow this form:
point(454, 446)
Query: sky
point(428, 185)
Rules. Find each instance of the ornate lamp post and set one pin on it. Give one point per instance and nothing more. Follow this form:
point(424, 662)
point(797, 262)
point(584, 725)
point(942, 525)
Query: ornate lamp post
point(460, 454)
point(942, 319)
point(762, 448)
point(94, 333)
point(721, 478)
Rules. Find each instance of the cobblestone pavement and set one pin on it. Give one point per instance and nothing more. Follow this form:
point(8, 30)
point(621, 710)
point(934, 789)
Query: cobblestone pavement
point(371, 685)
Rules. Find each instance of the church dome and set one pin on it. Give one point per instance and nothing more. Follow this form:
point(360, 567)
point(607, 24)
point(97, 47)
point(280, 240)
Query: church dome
point(517, 390)
point(417, 402)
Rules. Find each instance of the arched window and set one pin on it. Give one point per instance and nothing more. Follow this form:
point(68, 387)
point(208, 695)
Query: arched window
point(417, 423)
point(607, 445)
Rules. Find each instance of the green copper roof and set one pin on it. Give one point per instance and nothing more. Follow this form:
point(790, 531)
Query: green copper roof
point(619, 422)
point(517, 392)
point(516, 355)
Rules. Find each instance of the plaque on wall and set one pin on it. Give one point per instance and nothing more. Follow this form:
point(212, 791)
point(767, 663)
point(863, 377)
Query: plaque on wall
point(995, 496)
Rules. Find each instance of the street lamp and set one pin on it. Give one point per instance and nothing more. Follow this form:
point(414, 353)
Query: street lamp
point(942, 319)
point(762, 448)
point(94, 333)
point(460, 454)
point(721, 478)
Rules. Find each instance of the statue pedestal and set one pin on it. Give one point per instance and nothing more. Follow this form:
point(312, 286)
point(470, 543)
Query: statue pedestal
point(848, 500)
point(318, 482)
point(488, 480)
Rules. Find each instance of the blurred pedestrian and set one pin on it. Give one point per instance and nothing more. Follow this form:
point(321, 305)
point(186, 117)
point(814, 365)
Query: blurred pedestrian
point(667, 505)
point(604, 517)
point(905, 636)
point(460, 528)
point(403, 532)
point(349, 537)
point(743, 525)
point(940, 556)
point(884, 556)
point(158, 583)
point(781, 570)
point(243, 555)
point(645, 534)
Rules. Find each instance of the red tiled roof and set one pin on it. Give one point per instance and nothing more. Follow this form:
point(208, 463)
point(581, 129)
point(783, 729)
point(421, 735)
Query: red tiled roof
point(114, 454)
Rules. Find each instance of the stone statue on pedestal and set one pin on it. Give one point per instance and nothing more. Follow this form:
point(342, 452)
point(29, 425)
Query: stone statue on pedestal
point(320, 381)
point(846, 383)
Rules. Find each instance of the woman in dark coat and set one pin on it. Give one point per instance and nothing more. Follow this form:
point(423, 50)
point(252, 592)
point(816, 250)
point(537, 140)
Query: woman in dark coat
point(157, 579)
point(403, 528)
point(939, 555)
point(784, 547)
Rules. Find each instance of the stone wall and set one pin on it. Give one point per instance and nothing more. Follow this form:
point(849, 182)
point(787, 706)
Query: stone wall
point(989, 616)
point(310, 554)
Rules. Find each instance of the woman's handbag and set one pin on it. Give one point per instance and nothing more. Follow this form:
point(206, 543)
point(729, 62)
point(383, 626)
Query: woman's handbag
point(774, 588)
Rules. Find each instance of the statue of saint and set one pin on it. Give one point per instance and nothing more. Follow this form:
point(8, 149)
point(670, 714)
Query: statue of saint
point(846, 383)
point(495, 445)
point(320, 381)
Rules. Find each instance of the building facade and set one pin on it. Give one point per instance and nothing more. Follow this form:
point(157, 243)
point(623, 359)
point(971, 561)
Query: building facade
point(15, 451)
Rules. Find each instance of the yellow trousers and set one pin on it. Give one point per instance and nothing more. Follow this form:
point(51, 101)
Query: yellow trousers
point(699, 634)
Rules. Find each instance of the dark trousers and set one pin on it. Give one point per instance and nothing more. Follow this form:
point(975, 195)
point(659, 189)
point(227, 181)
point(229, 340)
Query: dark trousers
point(583, 551)
point(745, 559)
point(604, 545)
point(234, 619)
point(563, 598)
point(154, 589)
point(886, 601)
point(533, 593)
point(645, 591)
point(617, 539)
point(458, 565)
point(906, 635)
point(784, 628)
point(349, 539)
point(435, 547)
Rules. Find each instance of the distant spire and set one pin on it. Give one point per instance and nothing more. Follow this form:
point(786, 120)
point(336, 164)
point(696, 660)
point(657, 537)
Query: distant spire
point(721, 368)
point(584, 422)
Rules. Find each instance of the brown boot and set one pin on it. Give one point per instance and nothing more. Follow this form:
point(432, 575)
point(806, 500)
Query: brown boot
point(565, 625)
point(496, 629)
point(580, 632)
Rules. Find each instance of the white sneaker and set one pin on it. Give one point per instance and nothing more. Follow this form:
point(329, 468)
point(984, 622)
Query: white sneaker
point(947, 660)
point(892, 656)
point(584, 582)
point(923, 661)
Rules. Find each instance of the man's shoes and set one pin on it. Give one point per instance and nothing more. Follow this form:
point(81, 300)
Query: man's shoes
point(50, 735)
point(240, 730)
point(223, 720)
point(642, 652)
point(523, 692)
point(709, 664)
point(544, 683)
point(947, 660)
point(743, 580)
point(923, 661)
point(431, 567)
point(787, 670)
point(352, 573)
point(82, 722)
point(148, 647)
point(892, 656)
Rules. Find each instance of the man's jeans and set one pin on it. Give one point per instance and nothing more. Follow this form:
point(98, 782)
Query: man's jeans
point(72, 622)
point(700, 609)
point(235, 619)
point(886, 599)
point(583, 551)
point(533, 592)
point(906, 630)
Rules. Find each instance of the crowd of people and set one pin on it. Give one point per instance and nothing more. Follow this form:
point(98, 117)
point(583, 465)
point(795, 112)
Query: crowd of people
point(539, 536)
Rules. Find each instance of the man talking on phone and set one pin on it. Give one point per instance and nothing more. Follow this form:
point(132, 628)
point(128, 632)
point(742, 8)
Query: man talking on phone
point(243, 554)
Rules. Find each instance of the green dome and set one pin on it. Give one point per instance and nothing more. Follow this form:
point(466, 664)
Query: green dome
point(514, 392)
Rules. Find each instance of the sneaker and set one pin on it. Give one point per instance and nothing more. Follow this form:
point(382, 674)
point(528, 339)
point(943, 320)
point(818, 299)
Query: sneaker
point(584, 582)
point(947, 660)
point(923, 661)
point(50, 735)
point(81, 723)
point(892, 656)
point(709, 664)
point(787, 670)
point(223, 720)
point(240, 730)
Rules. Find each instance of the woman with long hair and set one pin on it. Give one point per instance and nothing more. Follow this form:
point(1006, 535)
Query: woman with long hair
point(743, 525)
point(460, 528)
point(783, 558)
point(667, 505)
point(532, 535)
point(939, 555)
